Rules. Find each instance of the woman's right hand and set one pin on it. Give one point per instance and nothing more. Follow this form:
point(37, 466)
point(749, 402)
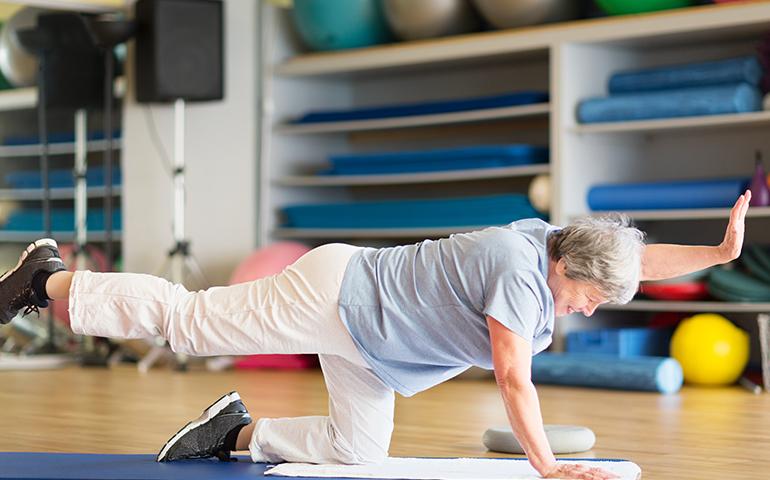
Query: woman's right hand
point(574, 471)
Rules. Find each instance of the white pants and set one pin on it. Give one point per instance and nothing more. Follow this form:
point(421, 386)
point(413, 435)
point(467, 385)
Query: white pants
point(295, 311)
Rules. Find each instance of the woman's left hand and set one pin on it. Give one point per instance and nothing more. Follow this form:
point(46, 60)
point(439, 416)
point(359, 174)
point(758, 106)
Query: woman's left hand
point(732, 244)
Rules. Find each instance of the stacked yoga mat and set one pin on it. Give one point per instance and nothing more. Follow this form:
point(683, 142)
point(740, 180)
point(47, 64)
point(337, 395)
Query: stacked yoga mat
point(704, 88)
point(424, 108)
point(442, 159)
point(62, 220)
point(751, 283)
point(445, 212)
point(56, 137)
point(719, 193)
point(59, 178)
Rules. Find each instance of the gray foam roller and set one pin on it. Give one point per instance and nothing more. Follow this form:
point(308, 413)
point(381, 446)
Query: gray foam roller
point(562, 438)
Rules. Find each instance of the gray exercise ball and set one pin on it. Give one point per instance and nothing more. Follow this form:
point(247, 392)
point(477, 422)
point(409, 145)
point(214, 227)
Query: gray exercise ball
point(413, 20)
point(518, 13)
point(17, 64)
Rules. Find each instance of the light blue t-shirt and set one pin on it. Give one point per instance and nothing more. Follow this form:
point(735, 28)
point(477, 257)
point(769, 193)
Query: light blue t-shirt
point(417, 312)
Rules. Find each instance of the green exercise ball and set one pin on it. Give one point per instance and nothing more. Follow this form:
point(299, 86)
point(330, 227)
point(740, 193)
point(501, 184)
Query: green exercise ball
point(625, 7)
point(340, 24)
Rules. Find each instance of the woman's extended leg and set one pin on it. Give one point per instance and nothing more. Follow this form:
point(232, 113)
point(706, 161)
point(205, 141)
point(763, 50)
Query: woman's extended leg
point(295, 311)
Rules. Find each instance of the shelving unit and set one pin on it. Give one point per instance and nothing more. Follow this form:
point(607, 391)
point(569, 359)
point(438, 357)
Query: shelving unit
point(551, 57)
point(19, 104)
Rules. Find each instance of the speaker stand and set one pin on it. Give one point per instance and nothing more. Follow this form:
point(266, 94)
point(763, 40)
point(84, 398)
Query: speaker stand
point(180, 266)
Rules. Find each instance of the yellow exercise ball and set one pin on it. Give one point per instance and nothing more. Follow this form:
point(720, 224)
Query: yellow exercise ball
point(711, 349)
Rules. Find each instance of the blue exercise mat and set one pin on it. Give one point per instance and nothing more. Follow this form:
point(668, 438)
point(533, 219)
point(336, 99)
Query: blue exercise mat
point(447, 212)
point(720, 72)
point(83, 466)
point(56, 137)
point(687, 102)
point(667, 195)
point(425, 108)
point(59, 178)
point(62, 220)
point(461, 158)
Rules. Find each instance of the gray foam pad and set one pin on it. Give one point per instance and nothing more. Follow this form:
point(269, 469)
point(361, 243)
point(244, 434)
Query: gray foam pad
point(562, 438)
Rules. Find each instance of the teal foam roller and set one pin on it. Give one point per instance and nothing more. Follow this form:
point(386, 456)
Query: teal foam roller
point(655, 374)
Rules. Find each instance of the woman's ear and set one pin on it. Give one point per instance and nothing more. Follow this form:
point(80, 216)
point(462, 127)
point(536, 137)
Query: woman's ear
point(561, 267)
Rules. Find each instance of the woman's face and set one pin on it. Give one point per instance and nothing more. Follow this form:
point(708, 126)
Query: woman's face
point(570, 296)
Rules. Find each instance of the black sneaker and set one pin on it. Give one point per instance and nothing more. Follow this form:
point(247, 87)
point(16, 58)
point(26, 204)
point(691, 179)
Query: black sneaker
point(16, 290)
point(213, 434)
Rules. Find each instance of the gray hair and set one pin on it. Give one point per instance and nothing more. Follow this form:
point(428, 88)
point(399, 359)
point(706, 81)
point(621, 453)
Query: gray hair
point(605, 251)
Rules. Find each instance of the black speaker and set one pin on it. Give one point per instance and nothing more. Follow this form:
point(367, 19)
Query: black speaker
point(73, 66)
point(179, 50)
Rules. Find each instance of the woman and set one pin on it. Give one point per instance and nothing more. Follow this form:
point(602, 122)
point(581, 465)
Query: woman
point(398, 319)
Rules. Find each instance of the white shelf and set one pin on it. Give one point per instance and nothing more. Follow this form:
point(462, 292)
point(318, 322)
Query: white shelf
point(685, 25)
point(710, 306)
point(399, 179)
point(391, 233)
point(62, 148)
point(56, 193)
point(31, 236)
point(417, 120)
point(92, 6)
point(676, 124)
point(26, 97)
point(689, 214)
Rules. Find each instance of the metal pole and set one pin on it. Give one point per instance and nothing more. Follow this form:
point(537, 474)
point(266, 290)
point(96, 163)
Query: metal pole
point(81, 186)
point(109, 147)
point(177, 268)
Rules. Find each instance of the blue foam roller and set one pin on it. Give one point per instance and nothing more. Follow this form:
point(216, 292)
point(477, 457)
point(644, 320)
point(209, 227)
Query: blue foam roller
point(655, 374)
point(688, 102)
point(667, 195)
point(720, 72)
point(425, 108)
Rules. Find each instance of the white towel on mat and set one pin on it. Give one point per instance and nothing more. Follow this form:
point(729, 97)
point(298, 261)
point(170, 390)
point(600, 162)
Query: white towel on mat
point(444, 469)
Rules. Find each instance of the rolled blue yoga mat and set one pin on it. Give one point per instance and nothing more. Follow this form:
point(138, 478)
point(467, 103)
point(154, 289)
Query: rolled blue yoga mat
point(720, 72)
point(655, 374)
point(688, 102)
point(666, 195)
point(62, 220)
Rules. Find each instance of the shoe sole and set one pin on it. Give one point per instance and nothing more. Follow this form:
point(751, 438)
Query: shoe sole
point(43, 242)
point(207, 415)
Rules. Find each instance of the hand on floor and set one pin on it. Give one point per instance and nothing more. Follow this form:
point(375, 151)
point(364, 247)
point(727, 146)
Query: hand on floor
point(574, 471)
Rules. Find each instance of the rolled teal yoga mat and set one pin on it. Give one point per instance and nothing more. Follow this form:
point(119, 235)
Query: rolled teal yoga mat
point(688, 102)
point(720, 193)
point(720, 72)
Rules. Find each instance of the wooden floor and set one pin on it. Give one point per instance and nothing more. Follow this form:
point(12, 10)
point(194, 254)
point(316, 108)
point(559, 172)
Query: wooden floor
point(697, 434)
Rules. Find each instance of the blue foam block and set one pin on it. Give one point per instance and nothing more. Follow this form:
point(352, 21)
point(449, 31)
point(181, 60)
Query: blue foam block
point(83, 466)
point(688, 102)
point(731, 70)
point(425, 108)
point(655, 374)
point(667, 195)
point(621, 342)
